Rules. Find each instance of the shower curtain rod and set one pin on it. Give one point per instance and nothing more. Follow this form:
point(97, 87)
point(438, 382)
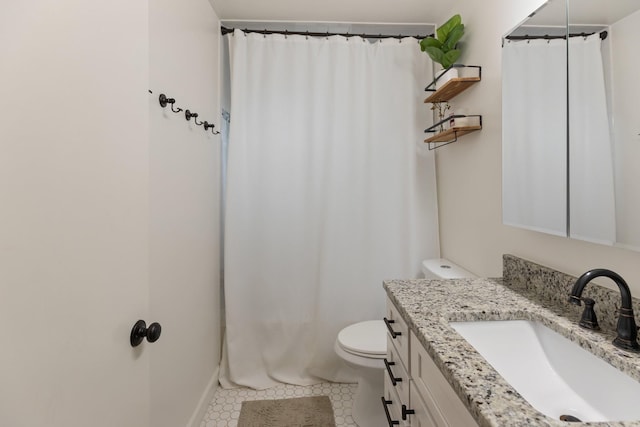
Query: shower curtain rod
point(603, 35)
point(225, 30)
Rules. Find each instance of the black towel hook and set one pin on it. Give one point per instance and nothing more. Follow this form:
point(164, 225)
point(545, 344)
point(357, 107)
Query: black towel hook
point(163, 100)
point(188, 115)
point(208, 126)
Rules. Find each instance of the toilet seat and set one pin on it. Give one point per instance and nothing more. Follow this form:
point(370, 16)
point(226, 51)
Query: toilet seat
point(364, 339)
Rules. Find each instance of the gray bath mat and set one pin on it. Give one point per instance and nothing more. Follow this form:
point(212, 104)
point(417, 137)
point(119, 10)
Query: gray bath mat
point(313, 411)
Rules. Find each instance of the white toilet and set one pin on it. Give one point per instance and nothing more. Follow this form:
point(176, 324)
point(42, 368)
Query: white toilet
point(363, 346)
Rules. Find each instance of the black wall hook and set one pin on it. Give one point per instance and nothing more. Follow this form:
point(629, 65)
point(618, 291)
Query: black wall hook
point(163, 100)
point(188, 115)
point(208, 126)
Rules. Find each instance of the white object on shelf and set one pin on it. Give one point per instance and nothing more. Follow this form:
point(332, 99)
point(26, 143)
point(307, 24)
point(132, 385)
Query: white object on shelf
point(452, 73)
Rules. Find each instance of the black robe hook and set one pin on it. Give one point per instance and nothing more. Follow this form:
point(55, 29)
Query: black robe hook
point(163, 100)
point(188, 114)
point(208, 126)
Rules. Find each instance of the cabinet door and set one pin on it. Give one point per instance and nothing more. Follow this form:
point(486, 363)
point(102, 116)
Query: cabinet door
point(443, 403)
point(422, 416)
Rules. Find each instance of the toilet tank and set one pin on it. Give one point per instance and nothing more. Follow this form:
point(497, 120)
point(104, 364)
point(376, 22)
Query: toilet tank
point(441, 268)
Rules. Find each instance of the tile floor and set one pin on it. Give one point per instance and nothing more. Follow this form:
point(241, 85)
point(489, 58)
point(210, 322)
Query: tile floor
point(224, 409)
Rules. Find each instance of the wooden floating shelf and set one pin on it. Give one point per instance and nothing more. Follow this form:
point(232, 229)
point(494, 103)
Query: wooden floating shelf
point(454, 132)
point(451, 88)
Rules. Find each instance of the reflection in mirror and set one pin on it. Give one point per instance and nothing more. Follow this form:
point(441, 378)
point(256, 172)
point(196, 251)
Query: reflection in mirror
point(534, 108)
point(600, 181)
point(619, 149)
point(591, 192)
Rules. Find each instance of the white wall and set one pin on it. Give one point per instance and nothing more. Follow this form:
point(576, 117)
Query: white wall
point(185, 182)
point(469, 171)
point(626, 92)
point(74, 156)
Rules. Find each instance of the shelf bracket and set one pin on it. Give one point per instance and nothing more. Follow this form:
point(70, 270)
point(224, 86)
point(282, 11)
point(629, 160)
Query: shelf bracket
point(451, 133)
point(437, 145)
point(431, 87)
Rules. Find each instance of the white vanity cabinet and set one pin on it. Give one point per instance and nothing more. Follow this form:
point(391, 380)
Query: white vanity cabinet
point(415, 391)
point(396, 377)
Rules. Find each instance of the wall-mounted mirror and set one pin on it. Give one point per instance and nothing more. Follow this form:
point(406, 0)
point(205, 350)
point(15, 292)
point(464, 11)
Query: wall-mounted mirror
point(571, 121)
point(534, 92)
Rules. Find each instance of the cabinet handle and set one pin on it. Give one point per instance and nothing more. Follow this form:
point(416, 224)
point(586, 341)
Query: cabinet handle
point(388, 365)
point(406, 412)
point(391, 422)
point(393, 333)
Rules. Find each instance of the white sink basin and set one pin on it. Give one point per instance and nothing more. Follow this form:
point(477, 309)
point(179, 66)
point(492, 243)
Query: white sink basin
point(555, 375)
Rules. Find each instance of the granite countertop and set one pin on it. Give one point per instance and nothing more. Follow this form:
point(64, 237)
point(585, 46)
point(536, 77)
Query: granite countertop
point(429, 305)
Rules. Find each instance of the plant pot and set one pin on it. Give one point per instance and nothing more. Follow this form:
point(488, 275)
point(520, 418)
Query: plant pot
point(452, 73)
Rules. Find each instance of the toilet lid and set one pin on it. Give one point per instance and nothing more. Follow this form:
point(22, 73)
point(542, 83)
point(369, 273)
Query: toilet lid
point(368, 337)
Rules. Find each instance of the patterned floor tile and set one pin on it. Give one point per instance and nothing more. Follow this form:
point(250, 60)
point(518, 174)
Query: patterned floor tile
point(224, 408)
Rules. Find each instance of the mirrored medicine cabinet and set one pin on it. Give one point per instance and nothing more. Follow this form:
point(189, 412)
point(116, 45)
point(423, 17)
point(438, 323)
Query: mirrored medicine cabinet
point(571, 121)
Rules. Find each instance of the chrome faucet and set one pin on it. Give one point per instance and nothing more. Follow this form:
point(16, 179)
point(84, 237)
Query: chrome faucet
point(626, 329)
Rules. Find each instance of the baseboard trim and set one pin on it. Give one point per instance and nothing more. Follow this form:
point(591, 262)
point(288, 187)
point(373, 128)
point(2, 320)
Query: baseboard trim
point(203, 404)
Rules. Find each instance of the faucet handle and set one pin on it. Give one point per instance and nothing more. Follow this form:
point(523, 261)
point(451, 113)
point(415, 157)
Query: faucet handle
point(589, 319)
point(574, 299)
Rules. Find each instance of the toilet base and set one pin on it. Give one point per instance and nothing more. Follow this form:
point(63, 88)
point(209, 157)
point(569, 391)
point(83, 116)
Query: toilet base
point(367, 410)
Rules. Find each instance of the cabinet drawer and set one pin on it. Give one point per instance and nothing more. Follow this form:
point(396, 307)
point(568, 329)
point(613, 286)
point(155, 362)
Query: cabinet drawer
point(394, 405)
point(398, 333)
point(397, 369)
point(444, 405)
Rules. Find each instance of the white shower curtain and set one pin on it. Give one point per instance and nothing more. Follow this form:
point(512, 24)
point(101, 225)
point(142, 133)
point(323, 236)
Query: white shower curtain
point(328, 194)
point(535, 139)
point(534, 136)
point(591, 158)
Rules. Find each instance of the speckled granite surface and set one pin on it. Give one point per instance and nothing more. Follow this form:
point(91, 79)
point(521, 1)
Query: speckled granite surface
point(550, 288)
point(429, 305)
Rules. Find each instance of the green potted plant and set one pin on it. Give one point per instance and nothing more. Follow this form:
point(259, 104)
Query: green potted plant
point(442, 48)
